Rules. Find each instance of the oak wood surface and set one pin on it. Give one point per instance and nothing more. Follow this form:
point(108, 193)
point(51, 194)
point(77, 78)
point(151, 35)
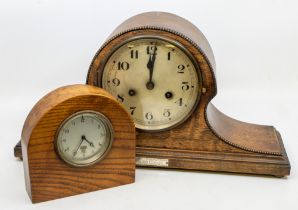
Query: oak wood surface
point(207, 133)
point(47, 176)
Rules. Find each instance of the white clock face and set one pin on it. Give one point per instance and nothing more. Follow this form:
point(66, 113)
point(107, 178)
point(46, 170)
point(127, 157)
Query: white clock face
point(156, 80)
point(84, 138)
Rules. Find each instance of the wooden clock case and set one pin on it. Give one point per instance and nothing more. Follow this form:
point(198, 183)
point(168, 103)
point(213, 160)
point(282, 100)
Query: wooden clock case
point(47, 176)
point(208, 140)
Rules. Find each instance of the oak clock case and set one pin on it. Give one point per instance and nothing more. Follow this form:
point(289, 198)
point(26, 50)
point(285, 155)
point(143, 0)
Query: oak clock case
point(73, 142)
point(162, 69)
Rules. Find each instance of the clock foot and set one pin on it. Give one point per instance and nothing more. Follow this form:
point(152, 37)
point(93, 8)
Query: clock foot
point(18, 151)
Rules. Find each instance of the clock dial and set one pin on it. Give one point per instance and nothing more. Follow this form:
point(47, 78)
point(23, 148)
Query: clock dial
point(155, 79)
point(84, 138)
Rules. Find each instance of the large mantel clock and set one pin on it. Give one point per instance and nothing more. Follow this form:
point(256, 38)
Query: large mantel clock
point(162, 69)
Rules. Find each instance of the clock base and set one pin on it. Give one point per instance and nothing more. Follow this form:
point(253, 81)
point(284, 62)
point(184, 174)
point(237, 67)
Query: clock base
point(223, 144)
point(247, 163)
point(277, 166)
point(216, 143)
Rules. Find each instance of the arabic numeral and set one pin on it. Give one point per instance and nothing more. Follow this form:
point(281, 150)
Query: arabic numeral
point(149, 116)
point(132, 110)
point(167, 113)
point(181, 68)
point(123, 65)
point(116, 81)
point(151, 49)
point(120, 98)
point(179, 102)
point(185, 86)
point(134, 54)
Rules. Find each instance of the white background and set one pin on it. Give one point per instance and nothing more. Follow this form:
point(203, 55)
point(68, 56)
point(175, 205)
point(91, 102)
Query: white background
point(45, 44)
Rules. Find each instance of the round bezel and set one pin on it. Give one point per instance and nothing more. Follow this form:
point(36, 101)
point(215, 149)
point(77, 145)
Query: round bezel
point(178, 45)
point(101, 153)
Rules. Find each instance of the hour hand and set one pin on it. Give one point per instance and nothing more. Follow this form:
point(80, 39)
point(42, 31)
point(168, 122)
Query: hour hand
point(89, 142)
point(149, 64)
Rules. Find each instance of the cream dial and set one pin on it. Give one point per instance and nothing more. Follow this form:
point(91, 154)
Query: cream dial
point(155, 79)
point(84, 138)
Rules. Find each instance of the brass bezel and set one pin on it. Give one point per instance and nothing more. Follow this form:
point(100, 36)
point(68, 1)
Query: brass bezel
point(99, 155)
point(177, 44)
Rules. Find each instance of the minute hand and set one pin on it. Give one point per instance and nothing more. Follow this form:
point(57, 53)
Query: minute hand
point(79, 145)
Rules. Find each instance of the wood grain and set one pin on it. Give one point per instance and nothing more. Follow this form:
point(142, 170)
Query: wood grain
point(47, 176)
point(205, 140)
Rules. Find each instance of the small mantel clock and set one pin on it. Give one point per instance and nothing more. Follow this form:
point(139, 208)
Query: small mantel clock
point(73, 142)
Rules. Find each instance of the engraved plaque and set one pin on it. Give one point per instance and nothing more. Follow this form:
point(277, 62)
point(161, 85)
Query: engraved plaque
point(143, 161)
